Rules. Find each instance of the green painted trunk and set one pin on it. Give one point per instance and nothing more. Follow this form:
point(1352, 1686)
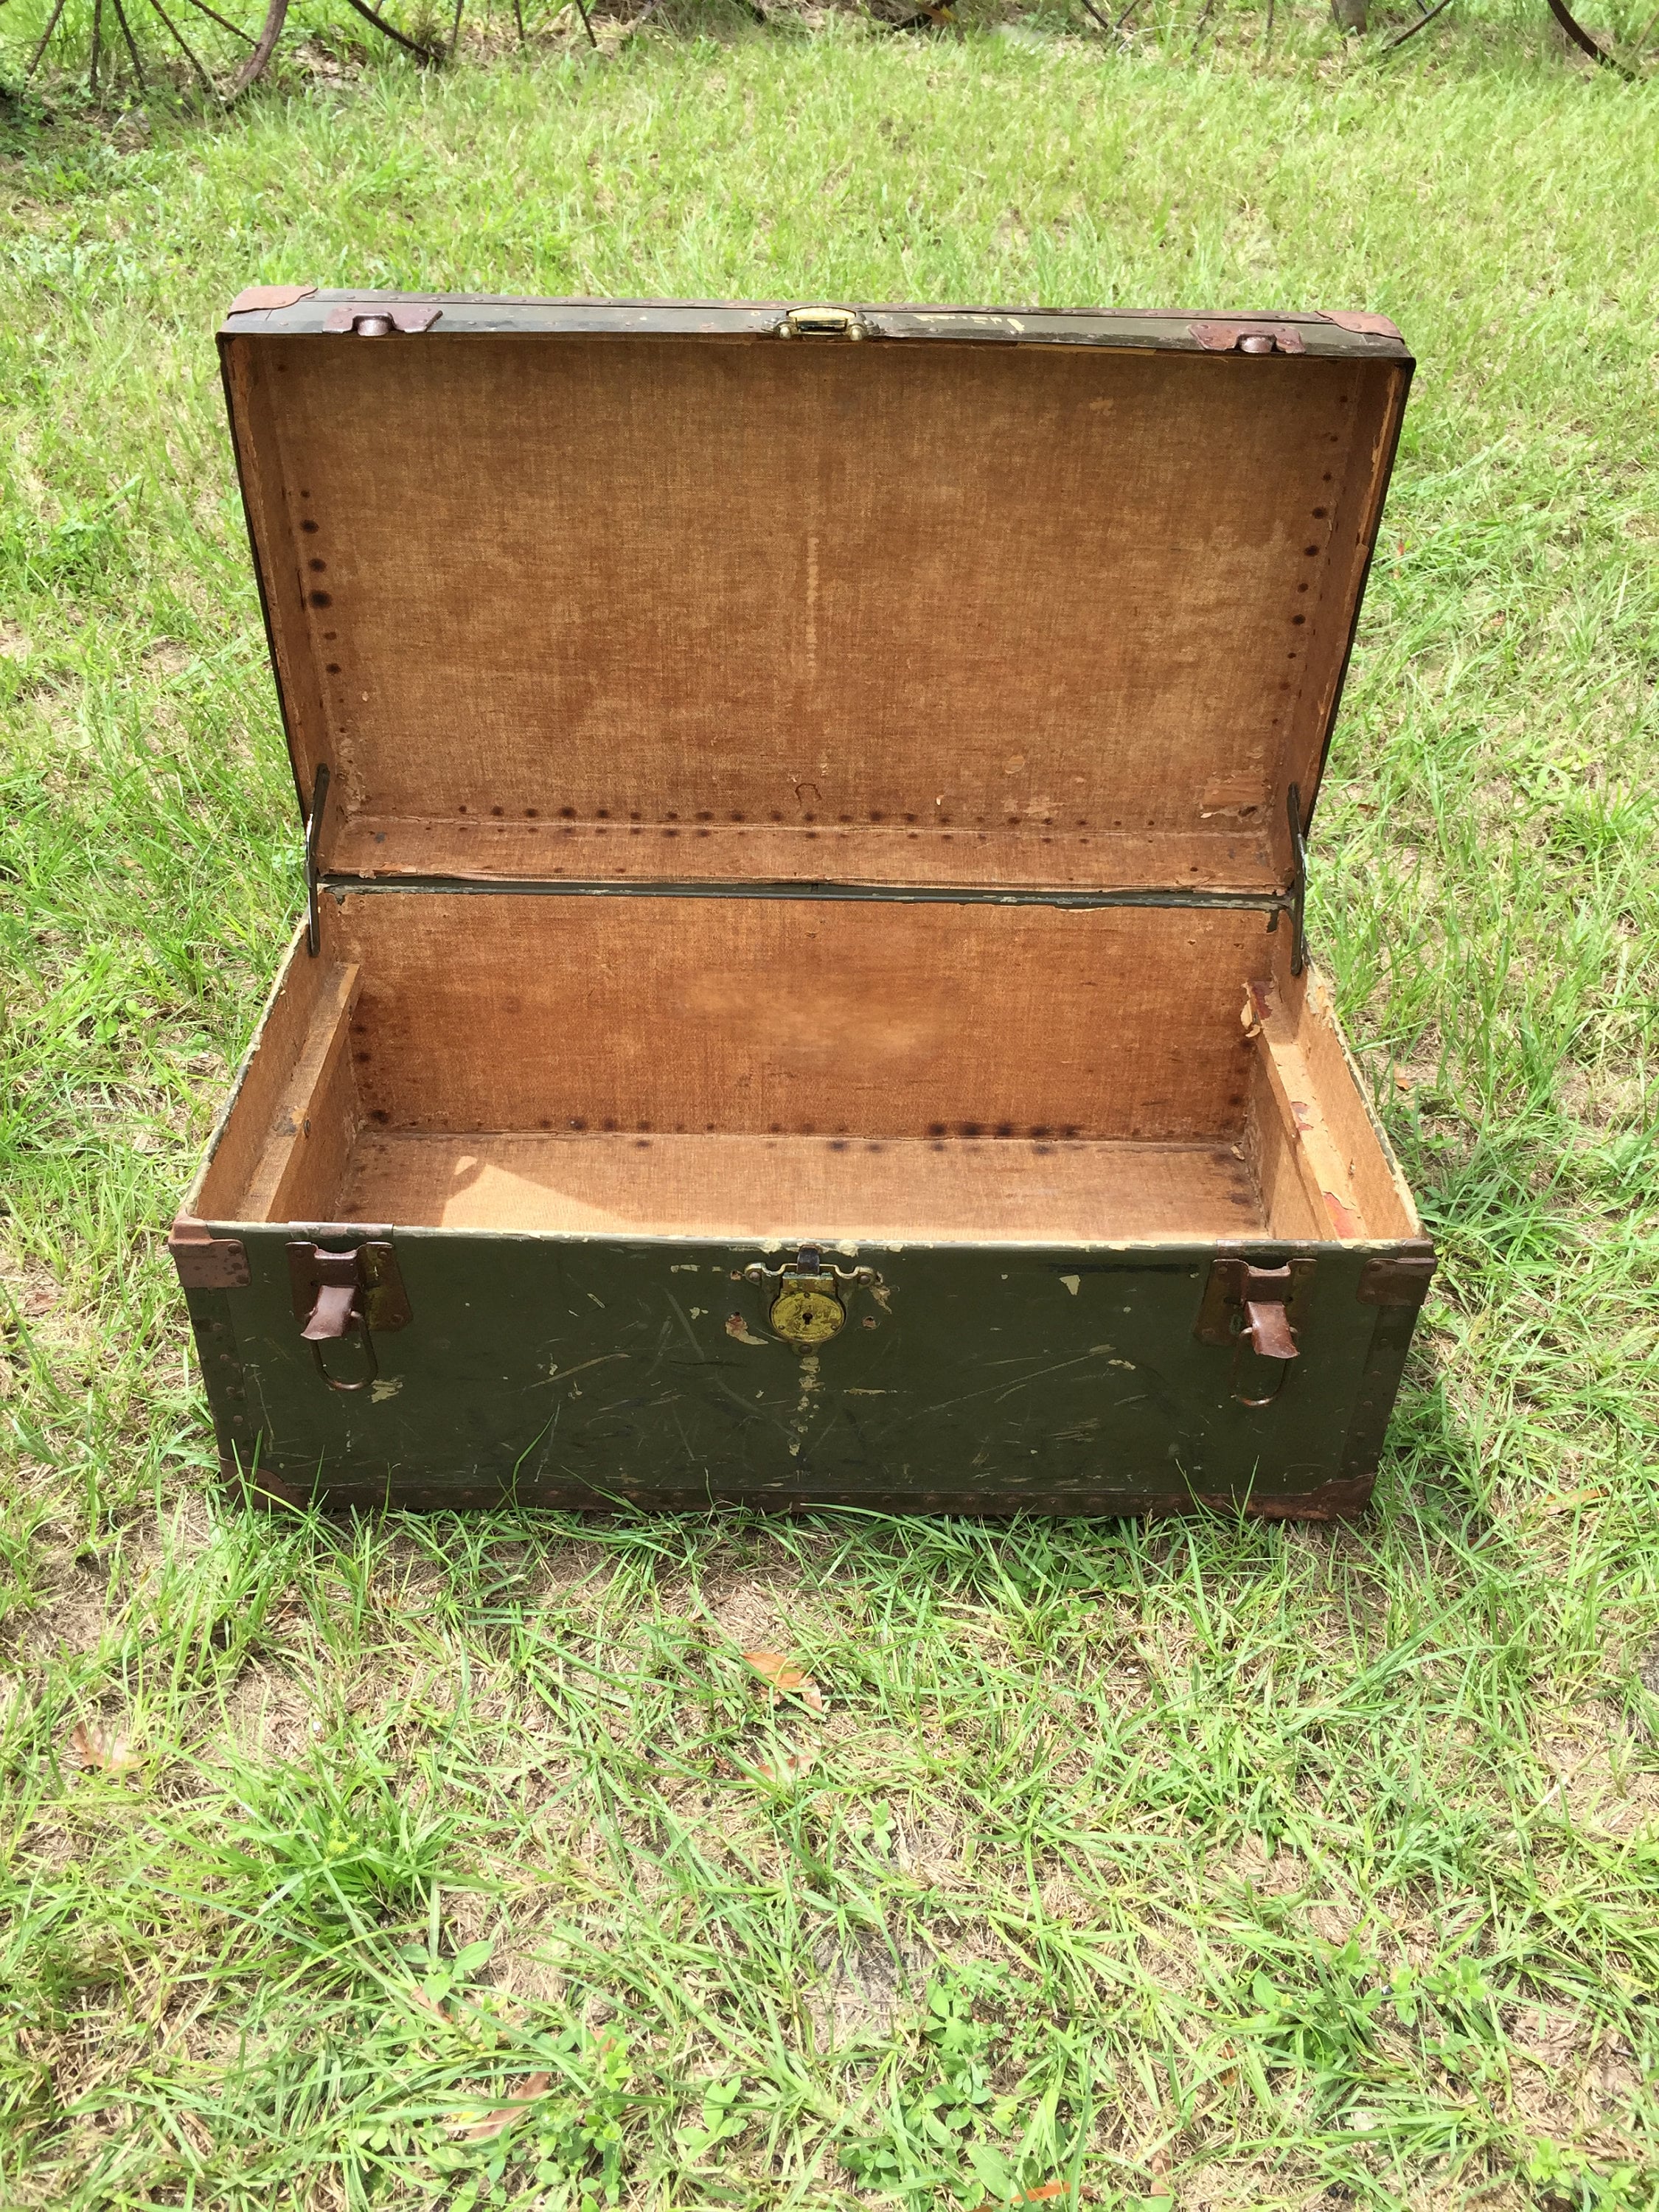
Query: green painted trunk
point(837, 1032)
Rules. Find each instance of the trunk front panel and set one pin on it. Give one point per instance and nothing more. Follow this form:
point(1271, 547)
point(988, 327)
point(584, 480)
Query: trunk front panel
point(588, 1374)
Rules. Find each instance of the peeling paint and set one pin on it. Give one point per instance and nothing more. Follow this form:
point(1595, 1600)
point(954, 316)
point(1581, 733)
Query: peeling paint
point(738, 1329)
point(1073, 1283)
point(388, 1389)
point(810, 1382)
point(882, 1297)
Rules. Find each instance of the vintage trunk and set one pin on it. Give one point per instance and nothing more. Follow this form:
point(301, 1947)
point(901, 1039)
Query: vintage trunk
point(802, 1000)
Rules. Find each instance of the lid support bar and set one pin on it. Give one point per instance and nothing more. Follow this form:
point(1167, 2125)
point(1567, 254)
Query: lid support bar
point(1298, 884)
point(314, 839)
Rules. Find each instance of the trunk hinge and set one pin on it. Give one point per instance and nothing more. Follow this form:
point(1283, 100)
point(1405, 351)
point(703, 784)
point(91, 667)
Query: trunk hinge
point(314, 839)
point(379, 318)
point(338, 1294)
point(1248, 338)
point(820, 323)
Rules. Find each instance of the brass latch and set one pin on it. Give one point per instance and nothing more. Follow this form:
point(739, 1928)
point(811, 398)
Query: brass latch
point(1245, 1305)
point(337, 1294)
point(820, 323)
point(808, 1308)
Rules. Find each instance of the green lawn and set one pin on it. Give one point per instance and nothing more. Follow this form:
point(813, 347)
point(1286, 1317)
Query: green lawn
point(1247, 1867)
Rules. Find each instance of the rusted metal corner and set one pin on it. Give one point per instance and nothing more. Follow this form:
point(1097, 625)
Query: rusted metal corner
point(206, 1262)
point(1399, 1279)
point(1365, 327)
point(1343, 1499)
point(257, 1488)
point(260, 299)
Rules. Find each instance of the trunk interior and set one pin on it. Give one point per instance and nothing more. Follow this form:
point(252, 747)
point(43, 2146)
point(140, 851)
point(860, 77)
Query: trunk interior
point(837, 1070)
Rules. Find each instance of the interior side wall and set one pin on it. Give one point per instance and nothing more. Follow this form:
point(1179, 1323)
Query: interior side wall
point(1343, 1154)
point(695, 1015)
point(221, 1190)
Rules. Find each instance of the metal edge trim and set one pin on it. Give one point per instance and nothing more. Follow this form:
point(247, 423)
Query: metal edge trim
point(1161, 328)
point(1262, 901)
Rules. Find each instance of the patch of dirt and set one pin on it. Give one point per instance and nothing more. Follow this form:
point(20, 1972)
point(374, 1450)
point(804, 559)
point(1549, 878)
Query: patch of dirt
point(756, 1613)
point(1276, 1874)
point(1594, 1784)
point(268, 1717)
point(1604, 1097)
point(862, 1991)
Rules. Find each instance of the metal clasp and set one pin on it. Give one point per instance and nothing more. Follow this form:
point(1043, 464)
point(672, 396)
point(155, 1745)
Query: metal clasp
point(375, 319)
point(1260, 1307)
point(340, 1294)
point(809, 1263)
point(820, 323)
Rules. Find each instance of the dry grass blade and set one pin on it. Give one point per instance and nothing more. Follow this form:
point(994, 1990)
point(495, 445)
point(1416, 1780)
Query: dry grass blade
point(496, 2123)
point(103, 1751)
point(780, 1674)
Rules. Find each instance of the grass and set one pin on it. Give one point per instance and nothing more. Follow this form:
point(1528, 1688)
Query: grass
point(1205, 1864)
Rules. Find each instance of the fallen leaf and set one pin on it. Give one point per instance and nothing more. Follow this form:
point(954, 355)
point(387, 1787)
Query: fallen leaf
point(782, 1674)
point(103, 1751)
point(1042, 2192)
point(497, 2122)
point(788, 1766)
point(1402, 1081)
